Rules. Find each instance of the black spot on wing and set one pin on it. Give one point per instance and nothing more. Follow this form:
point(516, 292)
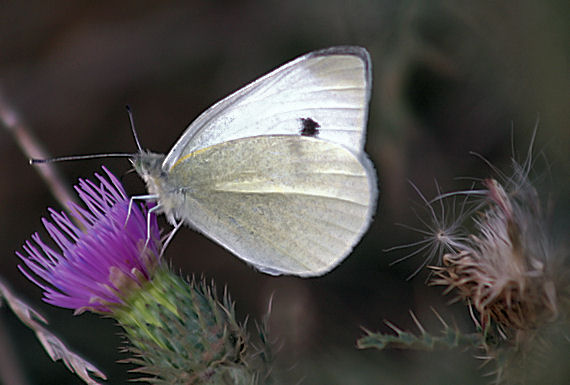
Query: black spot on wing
point(309, 127)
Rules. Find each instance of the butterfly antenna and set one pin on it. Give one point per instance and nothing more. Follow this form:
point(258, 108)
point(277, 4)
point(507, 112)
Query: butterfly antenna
point(132, 120)
point(95, 156)
point(79, 157)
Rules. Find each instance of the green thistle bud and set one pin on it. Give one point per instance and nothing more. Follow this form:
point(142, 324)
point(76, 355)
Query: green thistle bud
point(182, 334)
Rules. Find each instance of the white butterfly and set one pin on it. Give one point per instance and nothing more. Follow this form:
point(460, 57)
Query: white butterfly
point(276, 172)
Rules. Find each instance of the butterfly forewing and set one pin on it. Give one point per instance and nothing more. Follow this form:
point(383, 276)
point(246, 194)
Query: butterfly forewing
point(330, 87)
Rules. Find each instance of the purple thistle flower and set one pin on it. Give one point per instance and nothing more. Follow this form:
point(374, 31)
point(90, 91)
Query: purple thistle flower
point(103, 255)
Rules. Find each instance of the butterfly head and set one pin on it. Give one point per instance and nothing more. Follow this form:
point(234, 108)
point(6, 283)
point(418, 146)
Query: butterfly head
point(148, 165)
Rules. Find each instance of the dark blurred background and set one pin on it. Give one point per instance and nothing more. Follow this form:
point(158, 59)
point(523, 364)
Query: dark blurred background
point(449, 77)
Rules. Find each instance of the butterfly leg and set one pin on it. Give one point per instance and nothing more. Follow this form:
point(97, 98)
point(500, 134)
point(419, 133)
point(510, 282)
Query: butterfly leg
point(131, 202)
point(148, 214)
point(171, 236)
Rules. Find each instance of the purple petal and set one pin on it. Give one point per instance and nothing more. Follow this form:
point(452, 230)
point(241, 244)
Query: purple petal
point(78, 276)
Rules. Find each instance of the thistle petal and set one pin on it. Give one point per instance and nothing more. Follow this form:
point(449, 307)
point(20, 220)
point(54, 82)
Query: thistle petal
point(82, 272)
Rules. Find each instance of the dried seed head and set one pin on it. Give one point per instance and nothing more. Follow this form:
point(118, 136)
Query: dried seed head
point(507, 273)
point(499, 257)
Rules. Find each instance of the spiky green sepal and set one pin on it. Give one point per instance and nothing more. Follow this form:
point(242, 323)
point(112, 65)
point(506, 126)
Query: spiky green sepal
point(450, 338)
point(180, 333)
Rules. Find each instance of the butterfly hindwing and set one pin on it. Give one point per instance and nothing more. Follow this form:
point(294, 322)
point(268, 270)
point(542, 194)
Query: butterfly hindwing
point(286, 204)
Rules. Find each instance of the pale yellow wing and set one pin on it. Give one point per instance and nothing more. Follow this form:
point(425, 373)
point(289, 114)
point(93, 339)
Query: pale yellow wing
point(286, 204)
